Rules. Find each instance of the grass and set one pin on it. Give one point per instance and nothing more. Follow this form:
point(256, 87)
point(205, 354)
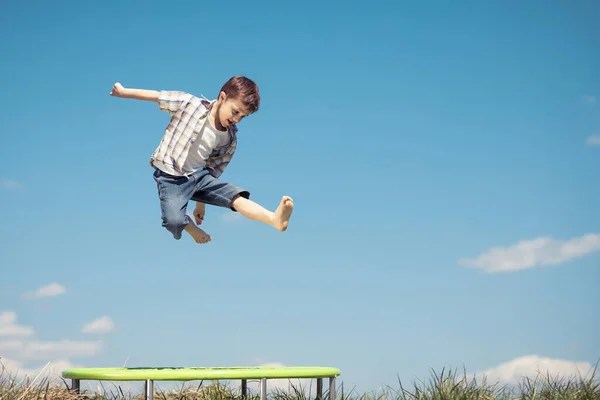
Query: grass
point(447, 385)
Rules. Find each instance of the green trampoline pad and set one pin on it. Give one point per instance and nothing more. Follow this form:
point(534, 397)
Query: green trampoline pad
point(197, 373)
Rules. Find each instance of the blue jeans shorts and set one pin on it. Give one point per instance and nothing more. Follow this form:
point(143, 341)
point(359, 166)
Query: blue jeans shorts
point(175, 192)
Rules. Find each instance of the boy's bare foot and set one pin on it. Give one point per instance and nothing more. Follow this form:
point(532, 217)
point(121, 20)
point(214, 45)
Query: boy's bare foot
point(282, 215)
point(198, 234)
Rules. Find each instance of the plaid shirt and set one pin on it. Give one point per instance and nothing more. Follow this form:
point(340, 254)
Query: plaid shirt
point(188, 114)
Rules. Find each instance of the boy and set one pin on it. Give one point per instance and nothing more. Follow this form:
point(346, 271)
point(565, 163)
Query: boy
point(197, 145)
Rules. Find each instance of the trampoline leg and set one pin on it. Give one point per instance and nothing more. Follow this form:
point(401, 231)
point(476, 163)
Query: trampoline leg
point(244, 389)
point(332, 388)
point(263, 389)
point(75, 385)
point(149, 390)
point(319, 388)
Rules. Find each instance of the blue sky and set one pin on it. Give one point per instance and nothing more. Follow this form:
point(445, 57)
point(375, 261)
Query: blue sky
point(444, 160)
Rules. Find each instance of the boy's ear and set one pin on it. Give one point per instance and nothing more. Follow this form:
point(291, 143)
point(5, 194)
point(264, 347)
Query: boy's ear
point(222, 96)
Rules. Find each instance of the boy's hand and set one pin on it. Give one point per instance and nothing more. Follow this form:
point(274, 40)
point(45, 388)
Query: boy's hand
point(117, 90)
point(199, 212)
point(131, 93)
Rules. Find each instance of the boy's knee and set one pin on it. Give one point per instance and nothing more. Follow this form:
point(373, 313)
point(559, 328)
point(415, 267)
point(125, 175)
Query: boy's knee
point(243, 194)
point(175, 224)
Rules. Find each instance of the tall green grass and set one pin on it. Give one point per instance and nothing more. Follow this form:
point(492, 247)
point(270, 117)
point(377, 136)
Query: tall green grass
point(446, 385)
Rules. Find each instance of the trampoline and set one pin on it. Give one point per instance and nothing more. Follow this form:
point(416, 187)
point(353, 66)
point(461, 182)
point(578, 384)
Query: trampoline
point(151, 374)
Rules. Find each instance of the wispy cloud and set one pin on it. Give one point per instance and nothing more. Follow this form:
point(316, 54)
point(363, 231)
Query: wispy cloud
point(593, 140)
point(590, 99)
point(231, 216)
point(52, 369)
point(101, 325)
point(49, 350)
point(51, 290)
point(10, 185)
point(531, 366)
point(23, 356)
point(542, 251)
point(10, 328)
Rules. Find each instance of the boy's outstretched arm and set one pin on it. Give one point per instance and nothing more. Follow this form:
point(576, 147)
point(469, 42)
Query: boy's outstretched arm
point(129, 93)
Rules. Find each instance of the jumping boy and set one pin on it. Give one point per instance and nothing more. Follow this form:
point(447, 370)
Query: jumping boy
point(197, 145)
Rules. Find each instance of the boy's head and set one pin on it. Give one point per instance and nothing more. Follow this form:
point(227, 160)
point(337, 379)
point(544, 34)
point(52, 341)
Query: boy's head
point(238, 98)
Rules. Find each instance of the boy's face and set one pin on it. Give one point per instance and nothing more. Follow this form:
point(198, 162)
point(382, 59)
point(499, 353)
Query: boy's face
point(230, 111)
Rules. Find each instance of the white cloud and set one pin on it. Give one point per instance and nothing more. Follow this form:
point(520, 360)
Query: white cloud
point(10, 185)
point(22, 357)
point(9, 326)
point(51, 290)
point(532, 366)
point(231, 216)
point(542, 251)
point(593, 140)
point(101, 325)
point(12, 346)
point(51, 370)
point(49, 350)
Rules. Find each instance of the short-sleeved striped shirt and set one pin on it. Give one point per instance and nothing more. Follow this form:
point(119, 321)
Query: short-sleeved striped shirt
point(188, 114)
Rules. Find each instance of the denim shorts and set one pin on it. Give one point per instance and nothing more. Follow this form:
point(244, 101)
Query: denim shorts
point(175, 192)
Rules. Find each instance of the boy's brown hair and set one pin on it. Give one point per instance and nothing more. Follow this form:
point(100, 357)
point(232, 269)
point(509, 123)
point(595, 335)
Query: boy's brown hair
point(245, 90)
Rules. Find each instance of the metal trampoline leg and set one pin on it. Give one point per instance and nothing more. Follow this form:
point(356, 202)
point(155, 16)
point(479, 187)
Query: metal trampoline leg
point(75, 384)
point(319, 388)
point(332, 388)
point(244, 389)
point(149, 390)
point(263, 389)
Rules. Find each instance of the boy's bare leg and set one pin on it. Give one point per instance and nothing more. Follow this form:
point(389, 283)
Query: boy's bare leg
point(278, 219)
point(198, 234)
